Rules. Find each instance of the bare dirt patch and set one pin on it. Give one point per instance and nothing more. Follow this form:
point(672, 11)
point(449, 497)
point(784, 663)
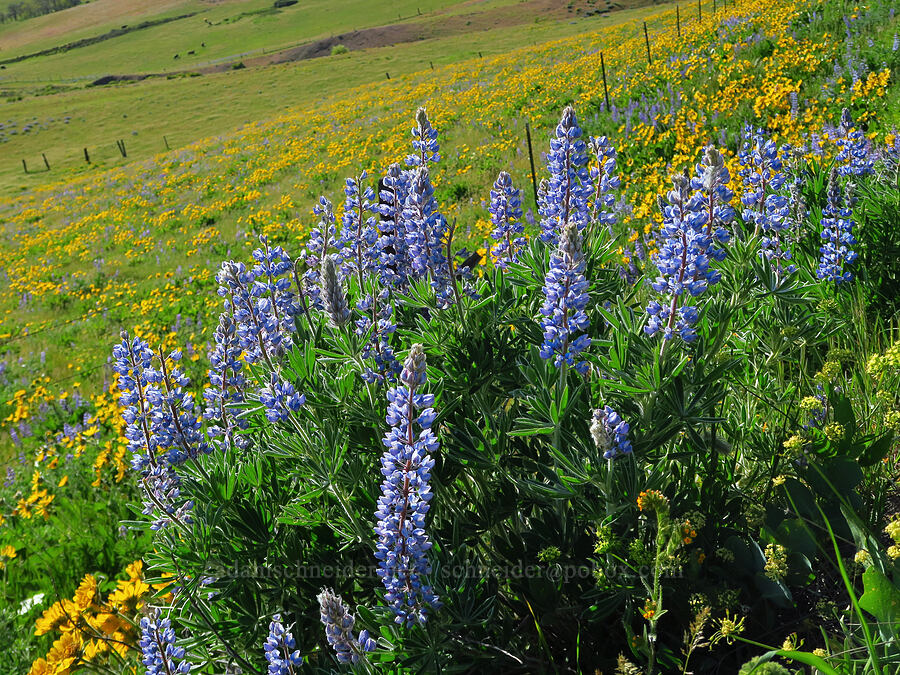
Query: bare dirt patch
point(441, 26)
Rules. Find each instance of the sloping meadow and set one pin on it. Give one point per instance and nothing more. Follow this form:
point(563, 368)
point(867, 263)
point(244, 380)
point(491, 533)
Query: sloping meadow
point(656, 403)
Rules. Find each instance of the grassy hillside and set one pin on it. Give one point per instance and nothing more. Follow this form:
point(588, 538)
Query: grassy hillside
point(135, 243)
point(80, 252)
point(62, 121)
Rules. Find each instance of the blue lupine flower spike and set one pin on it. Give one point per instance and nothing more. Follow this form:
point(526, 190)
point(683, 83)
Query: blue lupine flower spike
point(610, 433)
point(339, 624)
point(160, 654)
point(281, 650)
point(403, 544)
point(506, 215)
point(569, 186)
point(837, 233)
point(566, 292)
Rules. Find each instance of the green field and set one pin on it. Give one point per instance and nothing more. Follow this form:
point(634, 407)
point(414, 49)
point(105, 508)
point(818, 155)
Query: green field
point(70, 116)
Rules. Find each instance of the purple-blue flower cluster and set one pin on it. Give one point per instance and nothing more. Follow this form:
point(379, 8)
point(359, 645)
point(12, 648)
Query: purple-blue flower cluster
point(569, 187)
point(159, 415)
point(281, 650)
point(392, 242)
point(506, 215)
point(837, 234)
point(280, 398)
point(339, 624)
point(766, 207)
point(403, 545)
point(604, 182)
point(426, 229)
point(359, 234)
point(259, 330)
point(691, 223)
point(610, 433)
point(162, 498)
point(376, 322)
point(321, 239)
point(226, 383)
point(159, 652)
point(566, 296)
point(425, 145)
point(854, 157)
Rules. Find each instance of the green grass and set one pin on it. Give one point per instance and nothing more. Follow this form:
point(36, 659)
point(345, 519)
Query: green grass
point(237, 28)
point(186, 109)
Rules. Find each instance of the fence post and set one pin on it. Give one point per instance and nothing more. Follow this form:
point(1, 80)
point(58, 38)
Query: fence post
point(531, 161)
point(24, 165)
point(678, 20)
point(166, 141)
point(87, 157)
point(46, 163)
point(388, 75)
point(700, 10)
point(647, 41)
point(605, 89)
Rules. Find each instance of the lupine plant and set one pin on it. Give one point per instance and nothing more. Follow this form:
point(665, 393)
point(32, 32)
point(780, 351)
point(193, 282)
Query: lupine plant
point(517, 474)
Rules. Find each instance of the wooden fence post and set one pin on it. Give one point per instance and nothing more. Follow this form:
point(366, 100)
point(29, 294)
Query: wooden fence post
point(24, 165)
point(46, 163)
point(678, 20)
point(605, 89)
point(87, 157)
point(531, 160)
point(647, 41)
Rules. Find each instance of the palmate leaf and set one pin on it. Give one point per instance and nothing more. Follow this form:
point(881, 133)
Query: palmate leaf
point(881, 596)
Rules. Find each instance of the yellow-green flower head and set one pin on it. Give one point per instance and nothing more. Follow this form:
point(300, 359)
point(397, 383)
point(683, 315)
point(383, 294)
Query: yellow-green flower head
point(776, 562)
point(794, 445)
point(729, 626)
point(810, 404)
point(698, 601)
point(549, 554)
point(606, 540)
point(725, 554)
point(892, 529)
point(834, 432)
point(892, 421)
point(829, 372)
point(863, 558)
point(893, 552)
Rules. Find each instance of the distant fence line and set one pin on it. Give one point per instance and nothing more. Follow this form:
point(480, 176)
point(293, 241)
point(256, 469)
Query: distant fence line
point(679, 20)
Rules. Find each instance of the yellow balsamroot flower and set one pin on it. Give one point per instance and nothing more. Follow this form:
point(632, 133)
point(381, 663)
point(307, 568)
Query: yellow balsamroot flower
point(129, 595)
point(7, 553)
point(94, 649)
point(41, 667)
point(54, 617)
point(85, 593)
point(65, 652)
point(106, 623)
point(135, 570)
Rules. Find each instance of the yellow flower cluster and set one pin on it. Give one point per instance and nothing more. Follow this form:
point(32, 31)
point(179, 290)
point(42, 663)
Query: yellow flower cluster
point(91, 629)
